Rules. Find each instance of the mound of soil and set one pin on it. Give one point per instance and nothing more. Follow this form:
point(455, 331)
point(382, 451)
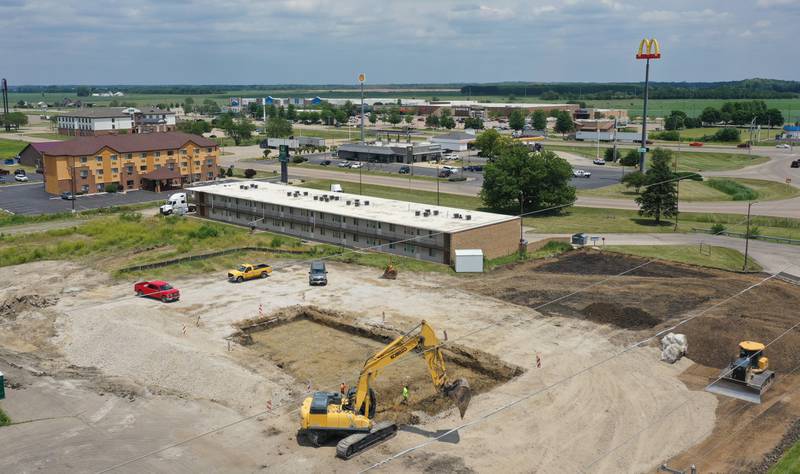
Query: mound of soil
point(11, 307)
point(603, 263)
point(626, 317)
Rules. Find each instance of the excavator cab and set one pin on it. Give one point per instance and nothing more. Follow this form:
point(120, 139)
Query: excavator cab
point(746, 378)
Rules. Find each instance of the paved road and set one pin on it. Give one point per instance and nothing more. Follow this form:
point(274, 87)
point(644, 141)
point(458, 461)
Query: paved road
point(32, 199)
point(772, 257)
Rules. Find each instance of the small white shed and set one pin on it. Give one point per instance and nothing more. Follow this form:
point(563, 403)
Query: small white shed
point(469, 260)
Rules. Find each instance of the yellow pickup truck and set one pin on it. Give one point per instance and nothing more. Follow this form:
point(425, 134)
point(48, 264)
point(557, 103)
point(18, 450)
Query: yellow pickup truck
point(248, 271)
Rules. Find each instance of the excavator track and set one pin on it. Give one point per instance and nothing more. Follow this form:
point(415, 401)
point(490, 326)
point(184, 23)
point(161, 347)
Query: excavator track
point(354, 444)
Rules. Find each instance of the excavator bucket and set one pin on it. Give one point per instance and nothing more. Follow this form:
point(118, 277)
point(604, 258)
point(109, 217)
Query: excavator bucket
point(461, 393)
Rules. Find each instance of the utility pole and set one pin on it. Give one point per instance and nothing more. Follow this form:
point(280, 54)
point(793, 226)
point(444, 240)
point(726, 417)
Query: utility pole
point(361, 78)
point(747, 236)
point(652, 51)
point(677, 184)
point(5, 105)
point(73, 184)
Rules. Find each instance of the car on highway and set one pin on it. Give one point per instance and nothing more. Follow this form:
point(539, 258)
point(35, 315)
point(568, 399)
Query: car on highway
point(405, 169)
point(782, 145)
point(743, 145)
point(795, 164)
point(696, 144)
point(157, 289)
point(445, 173)
point(357, 165)
point(473, 168)
point(599, 161)
point(344, 164)
point(581, 174)
point(325, 162)
point(67, 196)
point(21, 178)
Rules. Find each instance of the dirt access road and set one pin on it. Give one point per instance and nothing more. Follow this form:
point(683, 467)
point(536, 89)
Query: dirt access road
point(111, 377)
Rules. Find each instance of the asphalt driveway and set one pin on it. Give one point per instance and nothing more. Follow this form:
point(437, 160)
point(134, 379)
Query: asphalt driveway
point(31, 199)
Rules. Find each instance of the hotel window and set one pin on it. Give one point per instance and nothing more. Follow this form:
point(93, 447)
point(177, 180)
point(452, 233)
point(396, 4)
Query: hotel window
point(98, 159)
point(391, 245)
point(143, 155)
point(210, 174)
point(158, 166)
point(129, 183)
point(171, 166)
point(84, 174)
point(355, 221)
point(114, 170)
point(210, 162)
point(113, 157)
point(391, 227)
point(321, 231)
point(208, 150)
point(184, 164)
point(197, 163)
point(99, 172)
point(129, 156)
point(84, 159)
point(170, 152)
point(158, 153)
point(355, 237)
point(143, 168)
point(129, 169)
point(85, 188)
point(408, 248)
point(183, 151)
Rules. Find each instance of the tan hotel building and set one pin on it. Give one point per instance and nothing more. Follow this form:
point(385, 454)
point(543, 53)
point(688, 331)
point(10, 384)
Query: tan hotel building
point(154, 161)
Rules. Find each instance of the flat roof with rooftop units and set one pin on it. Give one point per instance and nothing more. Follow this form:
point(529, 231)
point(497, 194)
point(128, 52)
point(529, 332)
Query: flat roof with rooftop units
point(360, 221)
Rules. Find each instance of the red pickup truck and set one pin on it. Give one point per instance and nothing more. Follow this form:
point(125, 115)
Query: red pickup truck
point(157, 289)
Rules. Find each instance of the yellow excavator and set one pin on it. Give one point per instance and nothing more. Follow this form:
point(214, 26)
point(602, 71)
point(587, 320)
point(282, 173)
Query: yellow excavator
point(746, 378)
point(331, 414)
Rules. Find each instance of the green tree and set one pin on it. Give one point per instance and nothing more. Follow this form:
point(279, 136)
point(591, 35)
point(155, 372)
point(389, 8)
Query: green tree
point(278, 128)
point(660, 197)
point(272, 111)
point(188, 105)
point(490, 143)
point(291, 113)
point(540, 182)
point(210, 107)
point(83, 91)
point(474, 123)
point(409, 118)
point(772, 117)
point(516, 119)
point(394, 116)
point(432, 121)
point(564, 123)
point(609, 155)
point(195, 127)
point(631, 158)
point(539, 120)
point(14, 119)
point(710, 116)
point(373, 117)
point(446, 120)
point(634, 180)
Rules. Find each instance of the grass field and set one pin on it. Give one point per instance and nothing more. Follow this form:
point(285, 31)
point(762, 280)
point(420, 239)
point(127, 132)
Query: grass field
point(585, 219)
point(693, 191)
point(789, 462)
point(707, 256)
point(687, 160)
point(9, 148)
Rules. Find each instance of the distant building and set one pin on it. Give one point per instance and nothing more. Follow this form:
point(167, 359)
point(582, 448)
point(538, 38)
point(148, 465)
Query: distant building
point(791, 132)
point(454, 141)
point(621, 115)
point(420, 231)
point(114, 120)
point(155, 161)
point(381, 152)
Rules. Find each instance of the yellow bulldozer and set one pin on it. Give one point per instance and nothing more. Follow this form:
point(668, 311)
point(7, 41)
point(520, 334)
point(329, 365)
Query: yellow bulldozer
point(747, 377)
point(350, 416)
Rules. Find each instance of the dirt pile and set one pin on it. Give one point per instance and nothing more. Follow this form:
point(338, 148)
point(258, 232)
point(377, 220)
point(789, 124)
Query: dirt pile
point(11, 307)
point(626, 317)
point(589, 262)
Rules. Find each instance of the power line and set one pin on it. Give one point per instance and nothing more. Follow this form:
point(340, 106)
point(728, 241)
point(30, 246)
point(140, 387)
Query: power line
point(568, 378)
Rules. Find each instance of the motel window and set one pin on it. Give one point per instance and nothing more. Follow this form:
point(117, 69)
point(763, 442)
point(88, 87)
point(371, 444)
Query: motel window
point(158, 153)
point(129, 156)
point(355, 221)
point(170, 152)
point(115, 170)
point(391, 245)
point(129, 169)
point(355, 237)
point(143, 168)
point(391, 227)
point(197, 163)
point(143, 155)
point(321, 231)
point(210, 162)
point(431, 252)
point(183, 151)
point(85, 188)
point(98, 158)
point(210, 175)
point(158, 167)
point(208, 150)
point(84, 159)
point(129, 183)
point(336, 234)
point(84, 174)
point(113, 157)
point(408, 248)
point(99, 172)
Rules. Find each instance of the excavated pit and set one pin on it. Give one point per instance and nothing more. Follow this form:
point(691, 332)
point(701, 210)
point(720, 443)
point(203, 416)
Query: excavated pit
point(324, 348)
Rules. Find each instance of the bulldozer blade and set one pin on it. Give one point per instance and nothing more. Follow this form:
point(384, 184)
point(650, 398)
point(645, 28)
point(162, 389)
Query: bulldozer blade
point(735, 390)
point(461, 393)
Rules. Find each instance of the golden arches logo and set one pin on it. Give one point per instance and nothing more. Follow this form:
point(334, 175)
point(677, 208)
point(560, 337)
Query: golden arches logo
point(362, 77)
point(649, 49)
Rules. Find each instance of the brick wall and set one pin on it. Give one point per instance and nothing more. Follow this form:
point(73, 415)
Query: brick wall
point(496, 240)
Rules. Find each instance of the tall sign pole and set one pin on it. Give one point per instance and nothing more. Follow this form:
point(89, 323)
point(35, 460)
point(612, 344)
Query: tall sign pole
point(5, 105)
point(361, 78)
point(648, 49)
point(283, 158)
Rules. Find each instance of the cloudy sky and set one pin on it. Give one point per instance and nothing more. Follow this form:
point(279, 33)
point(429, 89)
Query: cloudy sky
point(393, 41)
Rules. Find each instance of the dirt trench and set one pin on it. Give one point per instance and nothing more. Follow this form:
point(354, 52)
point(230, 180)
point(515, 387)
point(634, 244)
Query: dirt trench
point(324, 348)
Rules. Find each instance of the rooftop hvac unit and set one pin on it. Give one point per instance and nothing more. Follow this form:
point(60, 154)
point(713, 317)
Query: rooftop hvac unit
point(253, 185)
point(426, 214)
point(356, 203)
point(348, 203)
point(416, 213)
point(427, 211)
point(436, 212)
point(289, 193)
point(336, 198)
point(316, 198)
point(305, 193)
point(366, 203)
point(469, 217)
point(456, 215)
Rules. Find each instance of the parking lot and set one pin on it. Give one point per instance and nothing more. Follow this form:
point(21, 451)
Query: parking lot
point(32, 199)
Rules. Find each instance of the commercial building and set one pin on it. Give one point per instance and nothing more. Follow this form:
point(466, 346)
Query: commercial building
point(115, 120)
point(382, 152)
point(155, 161)
point(473, 108)
point(791, 133)
point(454, 141)
point(421, 231)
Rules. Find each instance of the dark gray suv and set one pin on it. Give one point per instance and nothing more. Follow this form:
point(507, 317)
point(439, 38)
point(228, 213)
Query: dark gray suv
point(318, 274)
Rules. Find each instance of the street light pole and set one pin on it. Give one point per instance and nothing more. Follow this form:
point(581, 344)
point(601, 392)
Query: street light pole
point(677, 184)
point(747, 236)
point(361, 78)
point(73, 184)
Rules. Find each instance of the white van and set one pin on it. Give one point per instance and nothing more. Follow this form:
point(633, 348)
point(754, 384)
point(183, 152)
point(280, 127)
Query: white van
point(452, 169)
point(336, 188)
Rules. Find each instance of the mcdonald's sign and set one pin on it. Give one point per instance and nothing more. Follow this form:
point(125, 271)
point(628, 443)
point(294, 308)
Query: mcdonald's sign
point(649, 49)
